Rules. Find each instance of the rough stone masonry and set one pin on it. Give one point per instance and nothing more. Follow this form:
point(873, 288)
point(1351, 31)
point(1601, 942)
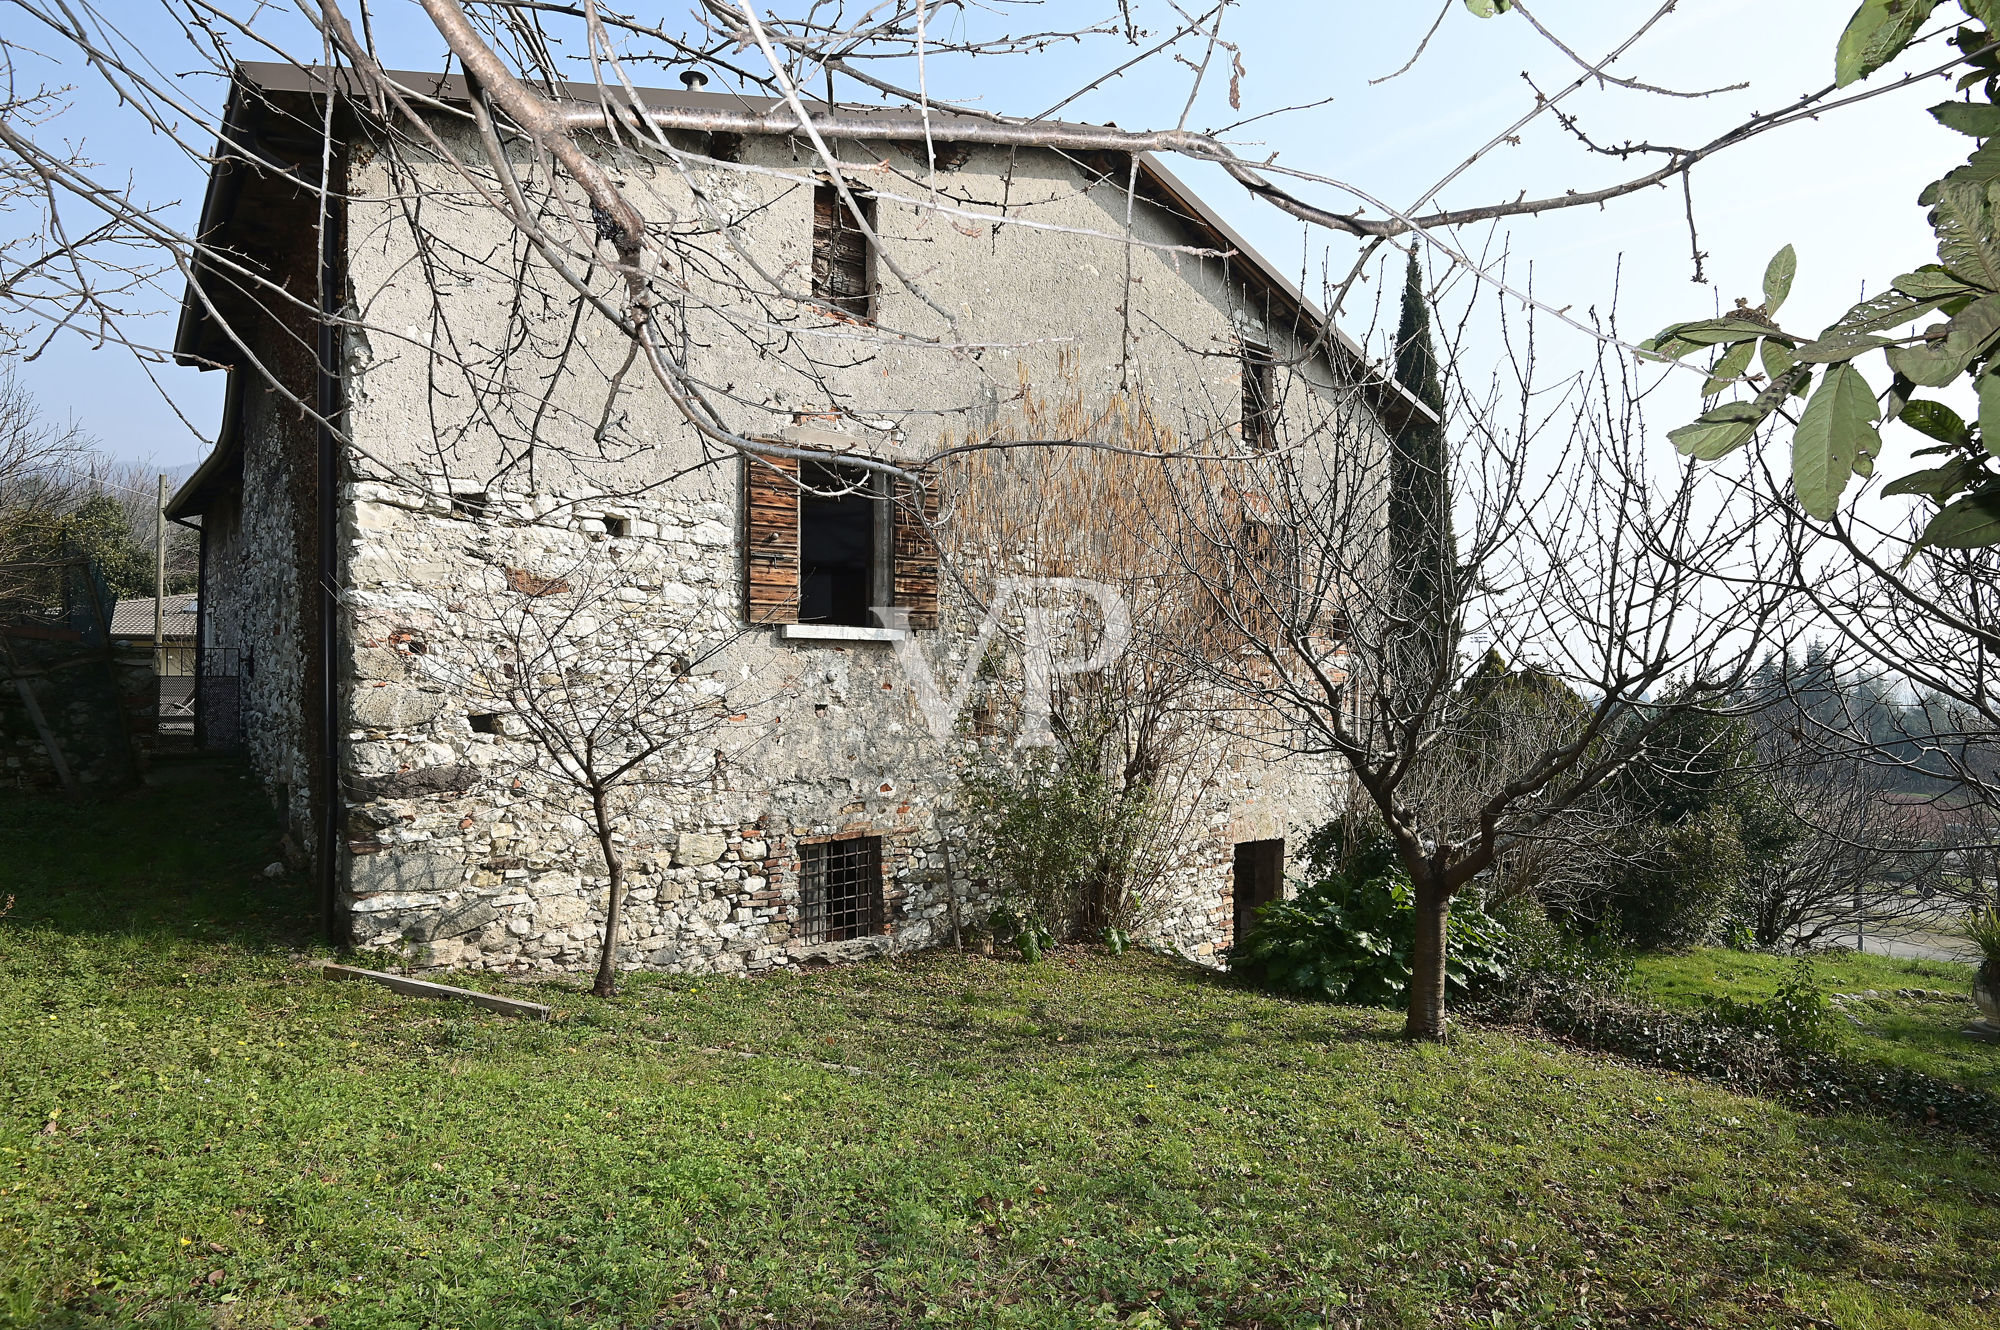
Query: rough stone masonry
point(457, 843)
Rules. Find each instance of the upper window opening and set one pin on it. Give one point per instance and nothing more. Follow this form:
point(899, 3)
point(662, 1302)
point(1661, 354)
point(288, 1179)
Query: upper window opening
point(840, 252)
point(837, 514)
point(617, 526)
point(471, 505)
point(1260, 397)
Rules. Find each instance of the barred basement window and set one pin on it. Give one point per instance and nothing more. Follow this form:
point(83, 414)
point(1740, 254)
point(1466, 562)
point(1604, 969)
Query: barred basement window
point(1260, 397)
point(840, 252)
point(840, 889)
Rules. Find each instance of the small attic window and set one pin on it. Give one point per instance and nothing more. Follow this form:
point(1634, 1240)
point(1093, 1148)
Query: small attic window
point(471, 505)
point(484, 722)
point(840, 252)
point(617, 526)
point(1260, 397)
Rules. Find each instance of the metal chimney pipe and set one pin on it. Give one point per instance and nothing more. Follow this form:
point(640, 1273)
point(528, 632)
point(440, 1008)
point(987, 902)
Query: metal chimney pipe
point(693, 80)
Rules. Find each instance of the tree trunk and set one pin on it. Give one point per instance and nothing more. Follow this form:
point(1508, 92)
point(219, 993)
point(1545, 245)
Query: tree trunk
point(1770, 921)
point(607, 961)
point(1427, 961)
point(951, 890)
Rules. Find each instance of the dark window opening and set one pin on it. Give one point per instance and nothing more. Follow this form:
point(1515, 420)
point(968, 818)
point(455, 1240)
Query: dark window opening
point(471, 505)
point(840, 889)
point(1259, 880)
point(1260, 397)
point(837, 514)
point(725, 147)
point(617, 526)
point(840, 252)
point(484, 722)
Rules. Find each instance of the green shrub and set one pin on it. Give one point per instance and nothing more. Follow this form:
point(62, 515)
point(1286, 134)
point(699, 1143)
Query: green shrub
point(1798, 1015)
point(1540, 949)
point(1784, 1047)
point(1347, 936)
point(1667, 877)
point(1026, 932)
point(1063, 840)
point(1678, 881)
point(1981, 928)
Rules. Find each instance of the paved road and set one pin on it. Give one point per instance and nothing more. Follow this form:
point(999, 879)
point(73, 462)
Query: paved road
point(1911, 941)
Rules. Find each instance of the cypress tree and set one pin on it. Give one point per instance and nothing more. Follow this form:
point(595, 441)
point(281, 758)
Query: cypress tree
point(1420, 538)
point(1422, 552)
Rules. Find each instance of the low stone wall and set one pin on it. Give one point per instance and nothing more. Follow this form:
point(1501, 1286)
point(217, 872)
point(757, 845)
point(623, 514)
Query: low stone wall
point(719, 901)
point(98, 705)
point(472, 881)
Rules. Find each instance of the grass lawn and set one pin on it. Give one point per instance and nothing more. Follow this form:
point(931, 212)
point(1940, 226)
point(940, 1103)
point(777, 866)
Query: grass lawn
point(196, 1130)
point(1922, 1034)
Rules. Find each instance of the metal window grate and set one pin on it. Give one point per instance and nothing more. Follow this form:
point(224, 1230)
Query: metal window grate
point(840, 889)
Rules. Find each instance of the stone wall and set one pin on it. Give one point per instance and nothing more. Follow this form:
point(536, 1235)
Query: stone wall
point(260, 540)
point(252, 610)
point(458, 848)
point(98, 706)
point(461, 852)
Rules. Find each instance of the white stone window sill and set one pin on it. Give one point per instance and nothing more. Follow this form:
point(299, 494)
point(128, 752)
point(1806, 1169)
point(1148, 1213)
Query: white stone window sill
point(837, 632)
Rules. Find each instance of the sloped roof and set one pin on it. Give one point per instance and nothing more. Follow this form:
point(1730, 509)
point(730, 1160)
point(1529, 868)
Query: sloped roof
point(134, 618)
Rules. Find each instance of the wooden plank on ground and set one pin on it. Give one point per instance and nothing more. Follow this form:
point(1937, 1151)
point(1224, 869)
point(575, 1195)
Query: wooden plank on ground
point(533, 1011)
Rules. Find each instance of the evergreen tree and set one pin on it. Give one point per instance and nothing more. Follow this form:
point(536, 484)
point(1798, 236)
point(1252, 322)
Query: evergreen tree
point(100, 528)
point(1422, 552)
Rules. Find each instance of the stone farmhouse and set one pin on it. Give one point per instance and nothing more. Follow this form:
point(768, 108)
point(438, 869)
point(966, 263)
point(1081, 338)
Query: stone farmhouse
point(330, 552)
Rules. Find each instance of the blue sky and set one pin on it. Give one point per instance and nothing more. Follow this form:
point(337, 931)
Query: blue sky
point(1841, 189)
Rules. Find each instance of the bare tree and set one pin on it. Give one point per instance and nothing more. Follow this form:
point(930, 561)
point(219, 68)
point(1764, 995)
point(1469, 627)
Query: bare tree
point(41, 461)
point(601, 692)
point(1068, 491)
point(1620, 599)
point(1919, 625)
point(554, 92)
point(1836, 853)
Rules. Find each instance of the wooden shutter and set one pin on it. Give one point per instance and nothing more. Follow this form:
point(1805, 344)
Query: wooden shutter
point(839, 254)
point(771, 539)
point(916, 554)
